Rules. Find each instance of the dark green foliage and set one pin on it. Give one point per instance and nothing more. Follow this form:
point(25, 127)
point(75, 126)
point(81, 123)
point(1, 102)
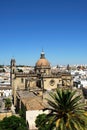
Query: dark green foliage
point(3, 70)
point(13, 123)
point(1, 66)
point(40, 123)
point(20, 70)
point(22, 113)
point(8, 103)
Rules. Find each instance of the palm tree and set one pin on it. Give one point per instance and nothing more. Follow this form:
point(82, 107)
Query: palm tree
point(66, 111)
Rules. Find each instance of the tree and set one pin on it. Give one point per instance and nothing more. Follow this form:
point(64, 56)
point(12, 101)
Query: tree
point(8, 103)
point(68, 67)
point(20, 70)
point(40, 123)
point(66, 111)
point(13, 123)
point(3, 70)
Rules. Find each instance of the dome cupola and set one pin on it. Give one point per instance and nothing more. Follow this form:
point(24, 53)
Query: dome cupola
point(42, 61)
point(42, 65)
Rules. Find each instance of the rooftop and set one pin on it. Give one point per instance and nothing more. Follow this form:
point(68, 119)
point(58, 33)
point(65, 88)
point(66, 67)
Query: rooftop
point(35, 103)
point(31, 101)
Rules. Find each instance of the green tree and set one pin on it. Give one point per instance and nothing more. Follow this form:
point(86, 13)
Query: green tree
point(8, 103)
point(40, 123)
point(66, 111)
point(13, 123)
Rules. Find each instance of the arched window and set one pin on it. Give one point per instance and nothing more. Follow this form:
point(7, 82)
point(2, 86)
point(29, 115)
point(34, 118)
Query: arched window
point(13, 71)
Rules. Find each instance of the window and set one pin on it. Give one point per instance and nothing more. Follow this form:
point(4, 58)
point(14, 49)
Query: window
point(13, 71)
point(52, 82)
point(22, 80)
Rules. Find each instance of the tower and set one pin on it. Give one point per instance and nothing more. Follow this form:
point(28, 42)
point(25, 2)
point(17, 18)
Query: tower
point(12, 74)
point(13, 65)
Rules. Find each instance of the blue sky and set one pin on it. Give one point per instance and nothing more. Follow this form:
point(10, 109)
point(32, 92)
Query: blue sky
point(57, 26)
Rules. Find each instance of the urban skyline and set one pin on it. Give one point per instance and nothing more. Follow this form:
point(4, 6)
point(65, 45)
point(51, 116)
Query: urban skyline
point(57, 27)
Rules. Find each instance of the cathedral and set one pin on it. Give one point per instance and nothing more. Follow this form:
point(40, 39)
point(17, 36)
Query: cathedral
point(40, 80)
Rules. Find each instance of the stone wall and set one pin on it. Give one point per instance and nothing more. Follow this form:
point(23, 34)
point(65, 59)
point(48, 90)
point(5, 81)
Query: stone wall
point(51, 83)
point(3, 115)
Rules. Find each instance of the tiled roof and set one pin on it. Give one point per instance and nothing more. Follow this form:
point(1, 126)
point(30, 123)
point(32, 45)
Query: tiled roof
point(35, 103)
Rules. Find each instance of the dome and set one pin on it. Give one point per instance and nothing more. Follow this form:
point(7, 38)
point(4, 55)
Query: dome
point(42, 61)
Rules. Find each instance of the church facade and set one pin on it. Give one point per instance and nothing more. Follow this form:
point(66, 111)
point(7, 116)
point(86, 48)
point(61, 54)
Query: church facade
point(42, 79)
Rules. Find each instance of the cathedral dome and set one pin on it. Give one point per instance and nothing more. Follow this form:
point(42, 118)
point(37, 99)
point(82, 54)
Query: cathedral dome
point(42, 61)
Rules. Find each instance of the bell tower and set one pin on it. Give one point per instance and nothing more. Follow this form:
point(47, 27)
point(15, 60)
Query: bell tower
point(12, 71)
point(12, 75)
point(13, 65)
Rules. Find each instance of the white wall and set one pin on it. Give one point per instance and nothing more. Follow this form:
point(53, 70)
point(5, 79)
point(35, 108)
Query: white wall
point(6, 93)
point(31, 117)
